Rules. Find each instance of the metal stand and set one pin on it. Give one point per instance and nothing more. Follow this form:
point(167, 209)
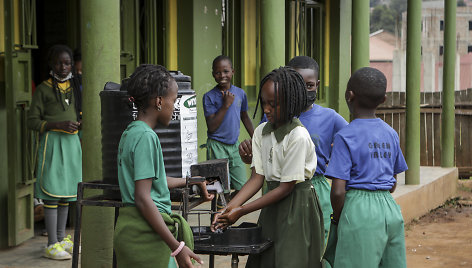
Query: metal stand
point(98, 201)
point(187, 202)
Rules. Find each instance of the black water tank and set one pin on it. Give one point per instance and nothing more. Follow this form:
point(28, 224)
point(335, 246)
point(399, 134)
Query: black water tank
point(178, 140)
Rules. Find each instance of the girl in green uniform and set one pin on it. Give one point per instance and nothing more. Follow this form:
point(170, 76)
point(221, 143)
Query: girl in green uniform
point(284, 156)
point(147, 234)
point(55, 113)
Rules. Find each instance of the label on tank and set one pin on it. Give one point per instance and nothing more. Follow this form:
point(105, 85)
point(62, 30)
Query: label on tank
point(188, 131)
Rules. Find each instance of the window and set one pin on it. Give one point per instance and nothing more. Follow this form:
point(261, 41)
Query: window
point(469, 49)
point(441, 25)
point(470, 25)
point(441, 50)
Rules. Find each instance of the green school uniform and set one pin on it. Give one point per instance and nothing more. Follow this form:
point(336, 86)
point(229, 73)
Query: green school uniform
point(135, 242)
point(59, 163)
point(237, 169)
point(294, 223)
point(140, 157)
point(381, 230)
point(323, 190)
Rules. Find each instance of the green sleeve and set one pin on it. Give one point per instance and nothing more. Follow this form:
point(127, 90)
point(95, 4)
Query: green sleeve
point(36, 111)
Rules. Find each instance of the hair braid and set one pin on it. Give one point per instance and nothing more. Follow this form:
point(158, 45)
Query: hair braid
point(148, 81)
point(290, 92)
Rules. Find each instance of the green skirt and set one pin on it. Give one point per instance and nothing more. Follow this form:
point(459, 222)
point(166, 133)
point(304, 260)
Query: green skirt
point(323, 190)
point(295, 225)
point(136, 244)
point(59, 168)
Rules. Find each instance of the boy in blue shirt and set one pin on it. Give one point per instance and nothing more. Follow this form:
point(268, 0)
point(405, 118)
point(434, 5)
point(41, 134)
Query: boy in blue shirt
point(364, 162)
point(322, 124)
point(224, 106)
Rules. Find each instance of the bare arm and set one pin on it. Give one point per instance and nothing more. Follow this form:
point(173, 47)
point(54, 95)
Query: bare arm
point(394, 185)
point(180, 182)
point(151, 214)
point(236, 210)
point(247, 123)
point(338, 193)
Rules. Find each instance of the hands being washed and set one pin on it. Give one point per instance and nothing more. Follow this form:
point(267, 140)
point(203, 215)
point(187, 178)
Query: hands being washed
point(227, 217)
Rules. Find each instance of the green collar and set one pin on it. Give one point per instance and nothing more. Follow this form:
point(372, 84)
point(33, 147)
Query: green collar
point(283, 130)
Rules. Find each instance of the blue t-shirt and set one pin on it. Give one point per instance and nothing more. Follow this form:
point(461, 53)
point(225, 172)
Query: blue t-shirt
point(228, 131)
point(322, 124)
point(366, 154)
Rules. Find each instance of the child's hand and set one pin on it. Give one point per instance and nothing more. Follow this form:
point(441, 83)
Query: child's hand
point(68, 126)
point(228, 217)
point(245, 151)
point(184, 258)
point(219, 223)
point(204, 193)
point(228, 98)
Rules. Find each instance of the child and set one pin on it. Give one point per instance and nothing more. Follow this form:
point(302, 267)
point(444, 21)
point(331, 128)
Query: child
point(365, 160)
point(224, 106)
point(55, 113)
point(322, 124)
point(284, 156)
point(145, 231)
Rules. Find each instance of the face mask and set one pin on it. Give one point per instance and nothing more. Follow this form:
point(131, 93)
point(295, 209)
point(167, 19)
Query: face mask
point(311, 97)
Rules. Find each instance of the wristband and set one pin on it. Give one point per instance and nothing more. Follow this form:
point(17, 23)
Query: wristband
point(333, 221)
point(178, 250)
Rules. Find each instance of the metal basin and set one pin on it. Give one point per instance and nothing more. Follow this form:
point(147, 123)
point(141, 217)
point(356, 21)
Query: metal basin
point(246, 234)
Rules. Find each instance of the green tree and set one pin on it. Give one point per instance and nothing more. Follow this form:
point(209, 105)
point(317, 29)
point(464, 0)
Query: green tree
point(382, 17)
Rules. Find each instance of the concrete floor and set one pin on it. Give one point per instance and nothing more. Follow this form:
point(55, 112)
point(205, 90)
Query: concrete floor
point(437, 185)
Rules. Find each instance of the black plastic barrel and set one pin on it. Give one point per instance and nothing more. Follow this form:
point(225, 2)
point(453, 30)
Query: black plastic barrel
point(118, 111)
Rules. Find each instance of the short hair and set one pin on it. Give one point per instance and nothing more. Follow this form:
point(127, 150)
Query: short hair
point(222, 58)
point(148, 81)
point(304, 62)
point(290, 89)
point(369, 85)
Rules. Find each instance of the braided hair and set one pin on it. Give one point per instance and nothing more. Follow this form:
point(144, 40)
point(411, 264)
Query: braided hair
point(148, 81)
point(290, 90)
point(53, 55)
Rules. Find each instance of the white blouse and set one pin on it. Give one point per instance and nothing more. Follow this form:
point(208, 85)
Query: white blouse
point(292, 159)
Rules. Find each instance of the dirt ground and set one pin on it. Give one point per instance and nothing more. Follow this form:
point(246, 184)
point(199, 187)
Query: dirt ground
point(443, 238)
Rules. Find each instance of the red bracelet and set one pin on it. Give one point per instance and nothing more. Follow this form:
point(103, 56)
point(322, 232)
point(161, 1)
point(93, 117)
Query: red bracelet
point(178, 250)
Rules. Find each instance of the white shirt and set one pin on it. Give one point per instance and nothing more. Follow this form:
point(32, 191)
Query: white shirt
point(292, 159)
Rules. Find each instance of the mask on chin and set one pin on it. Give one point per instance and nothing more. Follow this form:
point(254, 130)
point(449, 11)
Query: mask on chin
point(311, 97)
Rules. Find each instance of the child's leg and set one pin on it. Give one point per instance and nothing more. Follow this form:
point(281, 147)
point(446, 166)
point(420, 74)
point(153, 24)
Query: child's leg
point(50, 220)
point(62, 212)
point(395, 252)
point(323, 190)
point(362, 231)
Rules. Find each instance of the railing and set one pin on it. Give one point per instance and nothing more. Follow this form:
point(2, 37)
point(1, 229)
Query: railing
point(393, 113)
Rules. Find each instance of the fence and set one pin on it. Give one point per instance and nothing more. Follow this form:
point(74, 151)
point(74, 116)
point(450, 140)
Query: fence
point(393, 112)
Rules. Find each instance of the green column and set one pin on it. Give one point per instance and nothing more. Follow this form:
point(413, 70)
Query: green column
point(360, 34)
point(448, 115)
point(339, 54)
point(272, 35)
point(413, 68)
point(100, 26)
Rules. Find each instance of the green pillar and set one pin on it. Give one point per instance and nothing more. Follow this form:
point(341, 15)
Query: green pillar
point(360, 34)
point(339, 54)
point(413, 72)
point(100, 26)
point(272, 35)
point(448, 115)
point(199, 42)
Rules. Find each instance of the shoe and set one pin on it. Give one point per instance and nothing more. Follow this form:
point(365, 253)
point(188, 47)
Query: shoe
point(67, 244)
point(56, 252)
